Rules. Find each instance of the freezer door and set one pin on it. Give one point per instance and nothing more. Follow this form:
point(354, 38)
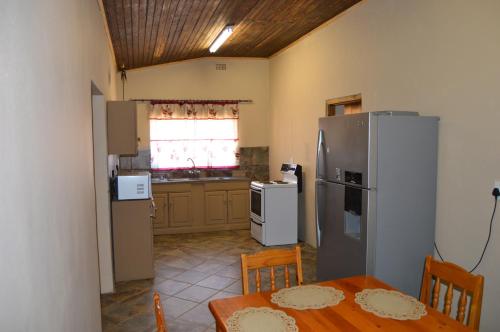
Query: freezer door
point(342, 221)
point(343, 145)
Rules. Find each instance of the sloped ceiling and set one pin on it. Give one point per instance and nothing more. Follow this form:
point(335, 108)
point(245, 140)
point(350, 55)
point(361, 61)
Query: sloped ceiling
point(150, 32)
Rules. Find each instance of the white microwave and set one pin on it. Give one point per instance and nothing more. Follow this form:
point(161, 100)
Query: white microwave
point(133, 186)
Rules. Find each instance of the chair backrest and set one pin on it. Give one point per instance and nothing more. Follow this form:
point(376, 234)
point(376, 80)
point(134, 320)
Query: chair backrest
point(270, 259)
point(160, 318)
point(456, 278)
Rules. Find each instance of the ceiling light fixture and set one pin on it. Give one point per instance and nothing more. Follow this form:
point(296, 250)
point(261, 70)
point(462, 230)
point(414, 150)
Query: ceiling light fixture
point(221, 38)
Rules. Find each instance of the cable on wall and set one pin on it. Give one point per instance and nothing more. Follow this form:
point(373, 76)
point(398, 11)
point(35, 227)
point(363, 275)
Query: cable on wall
point(124, 78)
point(496, 194)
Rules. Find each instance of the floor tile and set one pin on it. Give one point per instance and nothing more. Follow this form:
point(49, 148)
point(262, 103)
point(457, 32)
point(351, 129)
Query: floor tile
point(168, 271)
point(139, 323)
point(196, 293)
point(230, 272)
point(200, 315)
point(191, 276)
point(229, 259)
point(235, 287)
point(174, 307)
point(184, 326)
point(172, 287)
point(221, 295)
point(209, 267)
point(216, 282)
point(118, 312)
point(180, 261)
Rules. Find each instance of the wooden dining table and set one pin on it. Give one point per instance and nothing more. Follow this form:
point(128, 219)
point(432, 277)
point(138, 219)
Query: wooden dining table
point(346, 316)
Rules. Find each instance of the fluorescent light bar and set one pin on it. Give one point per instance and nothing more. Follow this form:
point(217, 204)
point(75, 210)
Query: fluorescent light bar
point(221, 38)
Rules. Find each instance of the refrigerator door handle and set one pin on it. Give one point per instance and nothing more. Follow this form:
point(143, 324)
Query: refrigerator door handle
point(320, 157)
point(319, 208)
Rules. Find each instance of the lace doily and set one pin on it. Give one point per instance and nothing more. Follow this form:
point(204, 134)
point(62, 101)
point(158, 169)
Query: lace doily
point(307, 297)
point(261, 320)
point(390, 304)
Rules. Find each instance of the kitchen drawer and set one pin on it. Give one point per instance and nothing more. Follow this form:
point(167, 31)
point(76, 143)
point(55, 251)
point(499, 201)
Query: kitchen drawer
point(257, 231)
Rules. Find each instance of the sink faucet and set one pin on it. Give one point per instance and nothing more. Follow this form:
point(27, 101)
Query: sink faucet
point(194, 171)
point(194, 166)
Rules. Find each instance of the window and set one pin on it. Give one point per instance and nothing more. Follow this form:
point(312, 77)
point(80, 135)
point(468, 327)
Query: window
point(211, 143)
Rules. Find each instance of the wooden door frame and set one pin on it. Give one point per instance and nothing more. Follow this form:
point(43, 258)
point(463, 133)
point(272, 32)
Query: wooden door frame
point(345, 100)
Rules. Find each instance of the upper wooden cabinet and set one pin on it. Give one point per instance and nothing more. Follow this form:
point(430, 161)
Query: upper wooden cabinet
point(143, 126)
point(122, 127)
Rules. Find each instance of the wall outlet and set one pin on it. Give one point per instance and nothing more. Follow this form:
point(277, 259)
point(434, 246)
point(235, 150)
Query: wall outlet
point(497, 185)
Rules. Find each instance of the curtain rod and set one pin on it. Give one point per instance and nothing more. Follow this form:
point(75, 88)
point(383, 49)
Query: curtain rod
point(195, 101)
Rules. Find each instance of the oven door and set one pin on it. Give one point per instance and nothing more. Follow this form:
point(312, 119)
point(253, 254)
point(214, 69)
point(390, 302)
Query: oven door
point(257, 203)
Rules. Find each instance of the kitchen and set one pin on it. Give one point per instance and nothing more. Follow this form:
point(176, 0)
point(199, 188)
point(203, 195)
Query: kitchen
point(191, 198)
point(435, 58)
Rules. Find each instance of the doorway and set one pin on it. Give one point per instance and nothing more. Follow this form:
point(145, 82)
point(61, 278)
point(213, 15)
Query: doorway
point(101, 185)
point(344, 105)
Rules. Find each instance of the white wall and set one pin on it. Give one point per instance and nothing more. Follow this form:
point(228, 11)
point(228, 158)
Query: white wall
point(197, 79)
point(436, 57)
point(51, 50)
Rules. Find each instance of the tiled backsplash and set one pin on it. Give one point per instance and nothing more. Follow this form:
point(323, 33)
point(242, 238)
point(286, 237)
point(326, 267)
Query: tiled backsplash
point(141, 162)
point(254, 164)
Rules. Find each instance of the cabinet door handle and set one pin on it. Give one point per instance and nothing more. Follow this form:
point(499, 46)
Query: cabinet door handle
point(153, 209)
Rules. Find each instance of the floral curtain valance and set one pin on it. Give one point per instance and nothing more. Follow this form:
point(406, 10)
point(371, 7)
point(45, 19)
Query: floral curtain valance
point(194, 111)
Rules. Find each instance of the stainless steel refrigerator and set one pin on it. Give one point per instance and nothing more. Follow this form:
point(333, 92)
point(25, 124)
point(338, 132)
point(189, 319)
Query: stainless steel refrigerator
point(376, 196)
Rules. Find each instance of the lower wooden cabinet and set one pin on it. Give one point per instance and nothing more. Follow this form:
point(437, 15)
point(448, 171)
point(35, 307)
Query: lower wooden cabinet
point(180, 209)
point(132, 240)
point(201, 207)
point(160, 218)
point(215, 207)
point(238, 206)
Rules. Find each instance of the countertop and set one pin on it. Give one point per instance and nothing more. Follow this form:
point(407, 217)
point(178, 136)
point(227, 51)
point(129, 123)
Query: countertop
point(199, 180)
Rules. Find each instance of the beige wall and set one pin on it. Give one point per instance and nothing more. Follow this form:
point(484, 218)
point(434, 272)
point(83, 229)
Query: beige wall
point(51, 50)
point(198, 79)
point(436, 57)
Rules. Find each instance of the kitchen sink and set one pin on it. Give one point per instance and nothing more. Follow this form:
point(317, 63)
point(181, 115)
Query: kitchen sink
point(183, 179)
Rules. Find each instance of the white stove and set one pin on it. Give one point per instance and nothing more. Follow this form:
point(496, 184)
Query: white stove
point(274, 207)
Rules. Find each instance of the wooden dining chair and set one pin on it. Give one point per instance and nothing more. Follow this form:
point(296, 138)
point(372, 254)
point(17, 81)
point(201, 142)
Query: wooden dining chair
point(160, 317)
point(456, 278)
point(270, 259)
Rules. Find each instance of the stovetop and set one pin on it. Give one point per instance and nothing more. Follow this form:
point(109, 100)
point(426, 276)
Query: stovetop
point(276, 183)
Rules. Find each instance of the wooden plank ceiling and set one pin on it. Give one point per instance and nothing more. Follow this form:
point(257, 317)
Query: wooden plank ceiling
point(150, 32)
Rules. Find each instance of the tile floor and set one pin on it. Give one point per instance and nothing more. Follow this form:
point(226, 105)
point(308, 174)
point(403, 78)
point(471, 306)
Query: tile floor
point(190, 271)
